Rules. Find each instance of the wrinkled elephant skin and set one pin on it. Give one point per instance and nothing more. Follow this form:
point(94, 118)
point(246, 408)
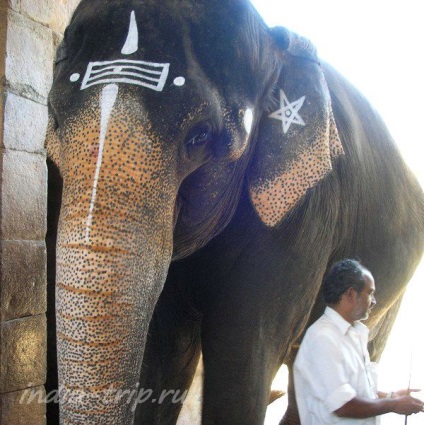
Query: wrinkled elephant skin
point(210, 171)
point(132, 115)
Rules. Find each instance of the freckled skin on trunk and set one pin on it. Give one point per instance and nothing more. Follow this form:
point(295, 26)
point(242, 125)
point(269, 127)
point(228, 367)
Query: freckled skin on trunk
point(113, 252)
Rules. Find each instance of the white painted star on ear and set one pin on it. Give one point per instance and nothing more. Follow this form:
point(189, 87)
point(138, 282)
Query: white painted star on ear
point(288, 113)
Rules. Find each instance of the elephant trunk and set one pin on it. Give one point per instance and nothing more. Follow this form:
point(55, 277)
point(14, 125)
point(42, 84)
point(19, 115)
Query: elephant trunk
point(113, 253)
point(103, 312)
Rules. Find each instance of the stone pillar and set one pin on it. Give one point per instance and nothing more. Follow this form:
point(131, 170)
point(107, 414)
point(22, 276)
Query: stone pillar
point(29, 32)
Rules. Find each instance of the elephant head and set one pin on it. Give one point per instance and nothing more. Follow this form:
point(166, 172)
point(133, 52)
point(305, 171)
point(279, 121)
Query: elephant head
point(154, 112)
point(151, 109)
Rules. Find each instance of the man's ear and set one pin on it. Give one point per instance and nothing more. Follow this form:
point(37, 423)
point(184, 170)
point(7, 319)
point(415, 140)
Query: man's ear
point(296, 142)
point(351, 294)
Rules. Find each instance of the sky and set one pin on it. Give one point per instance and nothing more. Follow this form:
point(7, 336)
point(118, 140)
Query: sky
point(377, 45)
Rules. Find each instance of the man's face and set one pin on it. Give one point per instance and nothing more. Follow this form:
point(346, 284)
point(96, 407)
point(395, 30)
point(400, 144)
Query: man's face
point(365, 300)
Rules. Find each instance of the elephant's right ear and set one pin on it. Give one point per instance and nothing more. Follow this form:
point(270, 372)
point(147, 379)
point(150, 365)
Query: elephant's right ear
point(296, 142)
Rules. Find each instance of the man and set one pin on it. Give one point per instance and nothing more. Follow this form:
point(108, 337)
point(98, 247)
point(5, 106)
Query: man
point(335, 382)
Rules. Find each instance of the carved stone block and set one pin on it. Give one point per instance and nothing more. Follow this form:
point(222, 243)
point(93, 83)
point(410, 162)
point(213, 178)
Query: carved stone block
point(29, 63)
point(23, 353)
point(23, 407)
point(25, 124)
point(23, 279)
point(23, 196)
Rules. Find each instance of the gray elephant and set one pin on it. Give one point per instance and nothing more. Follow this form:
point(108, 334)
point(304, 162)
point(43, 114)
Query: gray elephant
point(207, 170)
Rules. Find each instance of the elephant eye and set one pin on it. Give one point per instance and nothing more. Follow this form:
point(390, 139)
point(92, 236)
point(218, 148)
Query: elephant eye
point(198, 144)
point(200, 138)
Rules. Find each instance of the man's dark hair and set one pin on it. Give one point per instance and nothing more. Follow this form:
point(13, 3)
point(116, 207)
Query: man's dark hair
point(343, 275)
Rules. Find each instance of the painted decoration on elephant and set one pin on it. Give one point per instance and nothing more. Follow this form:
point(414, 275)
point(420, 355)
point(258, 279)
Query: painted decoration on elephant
point(152, 75)
point(248, 120)
point(107, 101)
point(131, 43)
point(147, 74)
point(179, 81)
point(288, 113)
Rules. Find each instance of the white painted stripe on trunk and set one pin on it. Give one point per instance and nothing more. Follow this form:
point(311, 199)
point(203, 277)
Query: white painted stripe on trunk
point(107, 100)
point(131, 44)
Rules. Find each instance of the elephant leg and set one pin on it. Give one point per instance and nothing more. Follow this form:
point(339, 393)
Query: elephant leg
point(242, 346)
point(256, 292)
point(381, 331)
point(171, 356)
point(291, 416)
point(237, 375)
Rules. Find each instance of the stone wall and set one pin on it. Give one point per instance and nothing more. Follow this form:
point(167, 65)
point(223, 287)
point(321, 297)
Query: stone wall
point(29, 33)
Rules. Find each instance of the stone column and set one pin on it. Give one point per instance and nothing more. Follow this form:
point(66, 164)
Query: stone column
point(29, 31)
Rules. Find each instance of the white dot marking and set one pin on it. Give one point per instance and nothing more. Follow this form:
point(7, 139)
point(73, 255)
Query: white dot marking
point(74, 77)
point(179, 81)
point(248, 120)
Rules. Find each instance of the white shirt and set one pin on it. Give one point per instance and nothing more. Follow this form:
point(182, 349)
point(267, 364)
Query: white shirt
point(331, 368)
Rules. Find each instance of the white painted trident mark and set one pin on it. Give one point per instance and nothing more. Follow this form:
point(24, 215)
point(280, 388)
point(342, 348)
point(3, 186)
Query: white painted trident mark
point(107, 100)
point(147, 74)
point(152, 75)
point(131, 44)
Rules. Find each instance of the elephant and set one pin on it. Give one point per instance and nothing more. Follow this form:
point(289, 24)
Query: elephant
point(204, 172)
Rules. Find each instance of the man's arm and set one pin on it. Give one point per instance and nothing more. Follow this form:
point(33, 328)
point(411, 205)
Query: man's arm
point(365, 408)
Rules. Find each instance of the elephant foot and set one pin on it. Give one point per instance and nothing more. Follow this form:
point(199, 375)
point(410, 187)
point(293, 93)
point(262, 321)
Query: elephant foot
point(290, 418)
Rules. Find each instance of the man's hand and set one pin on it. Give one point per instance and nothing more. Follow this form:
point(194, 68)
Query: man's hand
point(365, 408)
point(407, 405)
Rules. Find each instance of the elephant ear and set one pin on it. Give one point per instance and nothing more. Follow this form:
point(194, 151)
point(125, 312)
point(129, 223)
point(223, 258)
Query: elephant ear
point(298, 141)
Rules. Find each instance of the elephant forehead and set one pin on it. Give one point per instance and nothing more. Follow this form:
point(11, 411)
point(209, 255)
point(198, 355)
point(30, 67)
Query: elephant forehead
point(162, 47)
